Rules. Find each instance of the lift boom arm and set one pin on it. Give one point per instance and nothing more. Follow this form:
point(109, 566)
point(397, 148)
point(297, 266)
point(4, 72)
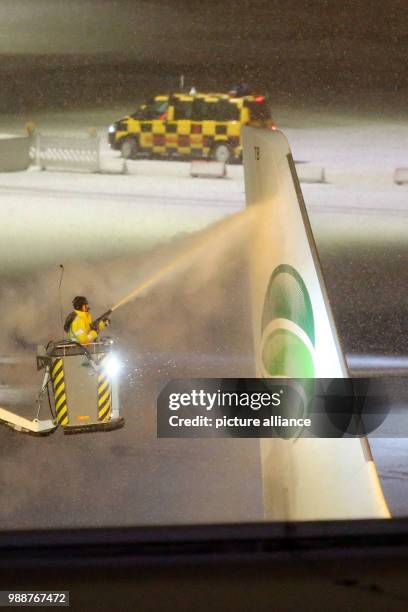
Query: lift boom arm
point(36, 426)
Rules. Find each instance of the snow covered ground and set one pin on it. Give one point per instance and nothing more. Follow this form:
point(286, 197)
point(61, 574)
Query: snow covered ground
point(158, 199)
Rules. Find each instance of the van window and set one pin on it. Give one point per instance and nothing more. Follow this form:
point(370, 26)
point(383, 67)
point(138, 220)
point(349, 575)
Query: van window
point(227, 111)
point(217, 110)
point(204, 110)
point(182, 109)
point(199, 110)
point(259, 109)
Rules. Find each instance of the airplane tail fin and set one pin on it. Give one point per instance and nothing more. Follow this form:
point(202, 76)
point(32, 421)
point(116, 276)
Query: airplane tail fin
point(295, 336)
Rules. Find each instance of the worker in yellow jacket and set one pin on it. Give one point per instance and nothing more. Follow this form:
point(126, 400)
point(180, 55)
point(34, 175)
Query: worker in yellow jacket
point(78, 324)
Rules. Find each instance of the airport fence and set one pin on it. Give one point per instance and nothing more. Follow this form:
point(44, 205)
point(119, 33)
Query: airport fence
point(73, 153)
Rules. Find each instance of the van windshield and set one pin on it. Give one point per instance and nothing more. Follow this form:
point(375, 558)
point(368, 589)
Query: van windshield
point(152, 109)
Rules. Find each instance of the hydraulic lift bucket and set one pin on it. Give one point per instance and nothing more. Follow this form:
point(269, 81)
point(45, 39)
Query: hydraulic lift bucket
point(84, 382)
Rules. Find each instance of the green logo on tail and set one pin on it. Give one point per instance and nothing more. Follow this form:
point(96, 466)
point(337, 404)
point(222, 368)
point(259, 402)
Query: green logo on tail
point(288, 338)
point(288, 331)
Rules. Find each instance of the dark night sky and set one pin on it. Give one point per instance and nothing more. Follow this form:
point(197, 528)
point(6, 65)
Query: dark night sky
point(168, 30)
point(343, 49)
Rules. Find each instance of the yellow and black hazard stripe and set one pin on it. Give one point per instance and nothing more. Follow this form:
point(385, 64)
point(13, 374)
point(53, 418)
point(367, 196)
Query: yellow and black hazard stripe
point(198, 142)
point(104, 394)
point(60, 396)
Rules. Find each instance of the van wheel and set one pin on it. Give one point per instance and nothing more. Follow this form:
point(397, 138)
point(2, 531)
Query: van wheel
point(222, 153)
point(129, 148)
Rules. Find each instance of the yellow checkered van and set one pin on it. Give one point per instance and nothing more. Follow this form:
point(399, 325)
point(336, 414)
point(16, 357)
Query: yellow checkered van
point(195, 126)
